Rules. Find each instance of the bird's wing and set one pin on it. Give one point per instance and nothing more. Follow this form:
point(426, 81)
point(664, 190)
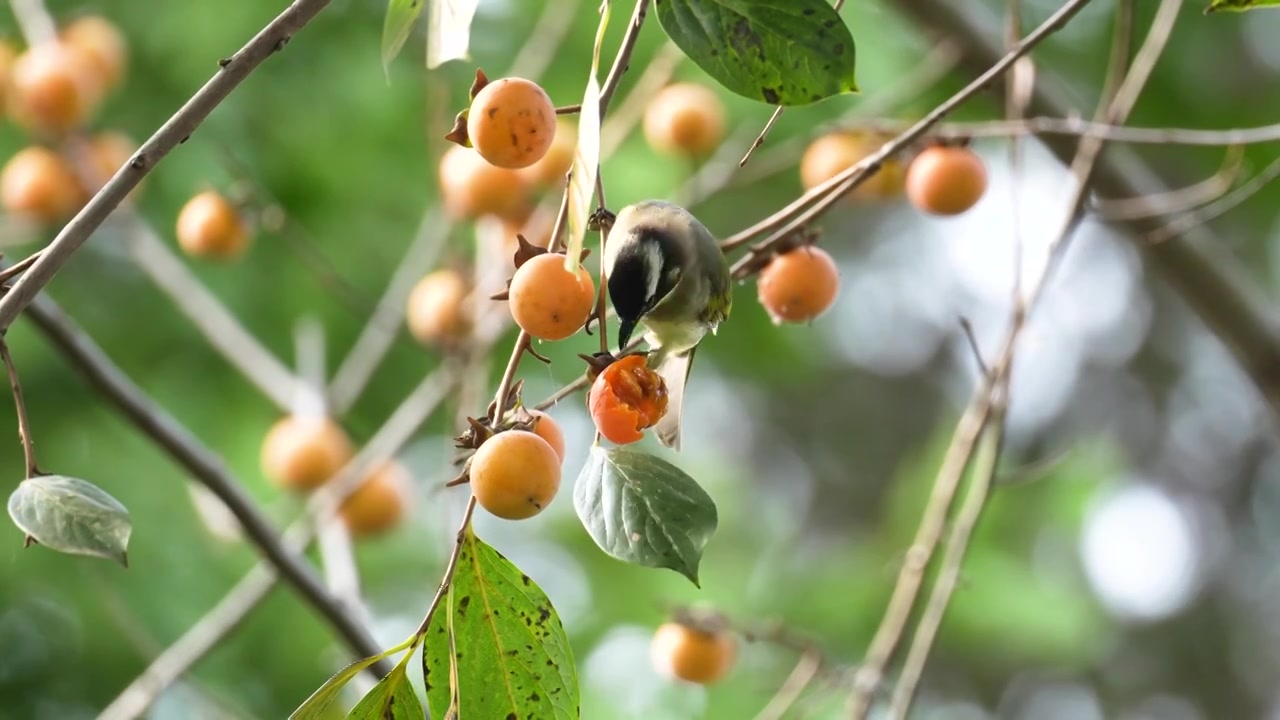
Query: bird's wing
point(675, 372)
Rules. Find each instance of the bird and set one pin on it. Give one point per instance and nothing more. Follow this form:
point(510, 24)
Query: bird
point(665, 269)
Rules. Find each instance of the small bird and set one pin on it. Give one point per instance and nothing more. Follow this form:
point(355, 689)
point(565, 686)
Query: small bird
point(665, 269)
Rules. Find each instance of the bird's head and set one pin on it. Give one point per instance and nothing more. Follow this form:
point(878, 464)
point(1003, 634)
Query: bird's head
point(645, 269)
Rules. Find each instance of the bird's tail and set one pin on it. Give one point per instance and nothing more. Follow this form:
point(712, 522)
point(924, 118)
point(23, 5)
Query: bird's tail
point(674, 370)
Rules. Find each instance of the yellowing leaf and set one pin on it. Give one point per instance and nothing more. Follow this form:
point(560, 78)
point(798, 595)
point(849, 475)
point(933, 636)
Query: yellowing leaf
point(1238, 6)
point(449, 31)
point(586, 159)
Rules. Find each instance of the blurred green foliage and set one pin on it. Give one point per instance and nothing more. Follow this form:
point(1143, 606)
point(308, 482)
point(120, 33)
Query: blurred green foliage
point(350, 156)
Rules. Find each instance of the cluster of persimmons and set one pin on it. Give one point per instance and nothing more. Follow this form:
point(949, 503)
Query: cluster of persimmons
point(514, 147)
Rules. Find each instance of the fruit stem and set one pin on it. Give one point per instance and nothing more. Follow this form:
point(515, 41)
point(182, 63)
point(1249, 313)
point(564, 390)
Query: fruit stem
point(24, 424)
point(449, 569)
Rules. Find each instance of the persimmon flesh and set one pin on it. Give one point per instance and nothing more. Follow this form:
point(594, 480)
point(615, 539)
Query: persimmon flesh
point(626, 399)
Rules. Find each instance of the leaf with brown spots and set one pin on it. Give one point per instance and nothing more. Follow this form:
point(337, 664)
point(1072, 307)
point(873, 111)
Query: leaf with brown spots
point(513, 656)
point(781, 52)
point(393, 698)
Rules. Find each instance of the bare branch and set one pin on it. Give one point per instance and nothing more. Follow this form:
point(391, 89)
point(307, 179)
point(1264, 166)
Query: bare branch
point(1197, 264)
point(817, 201)
point(380, 332)
point(206, 312)
point(623, 59)
point(232, 71)
point(1076, 127)
point(204, 465)
point(793, 687)
point(394, 433)
point(544, 41)
point(1177, 201)
point(987, 402)
point(722, 170)
point(986, 462)
point(37, 26)
point(195, 643)
point(1203, 215)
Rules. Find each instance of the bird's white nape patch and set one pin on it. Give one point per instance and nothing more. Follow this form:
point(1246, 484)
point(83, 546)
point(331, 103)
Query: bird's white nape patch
point(653, 268)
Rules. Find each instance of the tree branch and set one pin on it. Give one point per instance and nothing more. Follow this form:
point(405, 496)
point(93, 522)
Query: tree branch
point(989, 398)
point(195, 643)
point(178, 128)
point(1198, 264)
point(205, 466)
point(207, 313)
point(1076, 127)
point(811, 205)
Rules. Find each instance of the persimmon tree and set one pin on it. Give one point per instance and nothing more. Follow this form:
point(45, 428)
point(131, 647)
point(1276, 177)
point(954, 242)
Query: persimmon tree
point(490, 643)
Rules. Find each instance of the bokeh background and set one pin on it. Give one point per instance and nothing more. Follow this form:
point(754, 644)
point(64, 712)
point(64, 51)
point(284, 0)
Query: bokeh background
point(1134, 577)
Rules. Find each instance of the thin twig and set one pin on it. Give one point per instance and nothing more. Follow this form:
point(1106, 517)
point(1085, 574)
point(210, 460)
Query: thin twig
point(623, 59)
point(818, 200)
point(544, 41)
point(1177, 201)
point(722, 170)
point(1199, 265)
point(232, 71)
point(19, 267)
point(37, 26)
point(793, 687)
point(657, 73)
point(602, 297)
point(449, 569)
point(985, 464)
point(1183, 223)
point(20, 407)
point(380, 332)
point(773, 119)
point(206, 312)
point(337, 556)
point(1076, 127)
point(203, 465)
point(394, 433)
point(196, 642)
point(976, 417)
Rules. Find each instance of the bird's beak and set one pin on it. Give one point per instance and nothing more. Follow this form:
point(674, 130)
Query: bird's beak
point(625, 328)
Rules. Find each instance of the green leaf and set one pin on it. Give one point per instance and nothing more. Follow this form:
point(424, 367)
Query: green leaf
point(72, 516)
point(401, 15)
point(783, 52)
point(586, 157)
point(314, 707)
point(513, 657)
point(644, 510)
point(449, 31)
point(1239, 5)
point(392, 698)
